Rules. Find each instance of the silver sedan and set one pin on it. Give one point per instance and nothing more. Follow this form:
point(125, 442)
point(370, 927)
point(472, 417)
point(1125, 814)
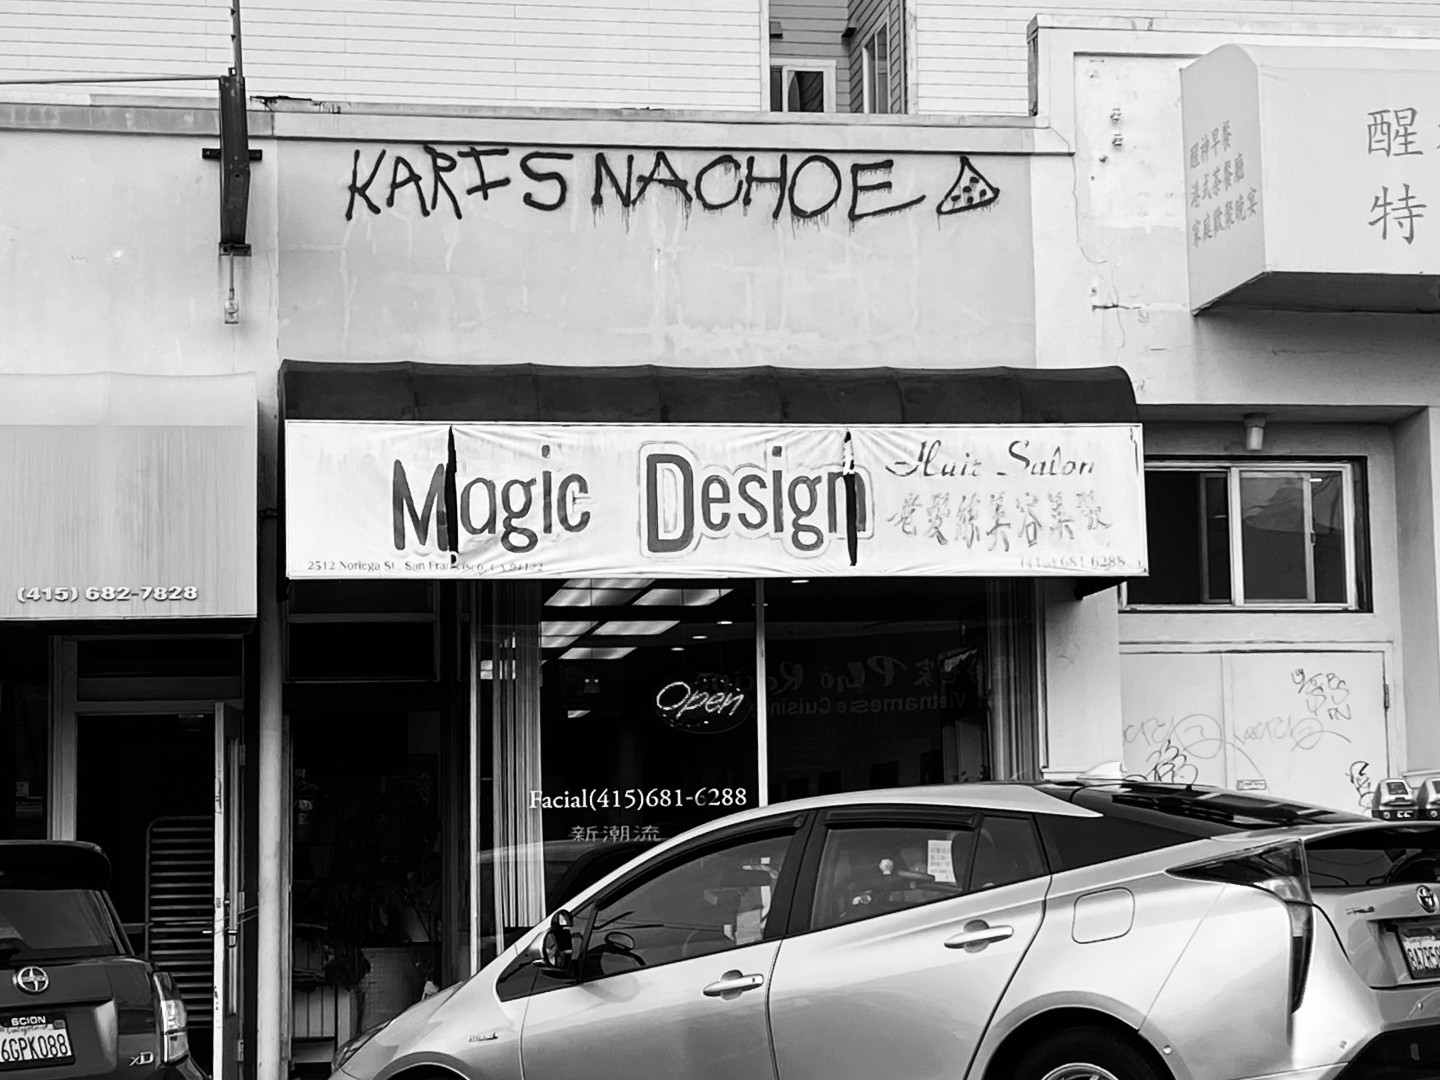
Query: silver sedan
point(1054, 931)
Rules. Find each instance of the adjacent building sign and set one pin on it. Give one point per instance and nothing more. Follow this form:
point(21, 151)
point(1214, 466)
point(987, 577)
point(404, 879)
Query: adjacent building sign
point(430, 500)
point(1310, 175)
point(127, 496)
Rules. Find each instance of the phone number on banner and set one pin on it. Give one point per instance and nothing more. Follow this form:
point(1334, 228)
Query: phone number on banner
point(639, 798)
point(68, 594)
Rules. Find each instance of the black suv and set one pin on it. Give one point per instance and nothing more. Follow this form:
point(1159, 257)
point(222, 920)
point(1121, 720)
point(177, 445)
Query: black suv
point(75, 1000)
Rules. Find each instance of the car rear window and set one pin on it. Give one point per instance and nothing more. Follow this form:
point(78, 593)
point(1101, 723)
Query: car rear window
point(50, 924)
point(1141, 817)
point(1375, 857)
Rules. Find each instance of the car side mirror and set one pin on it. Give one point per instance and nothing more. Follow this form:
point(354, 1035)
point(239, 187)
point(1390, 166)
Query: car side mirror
point(557, 948)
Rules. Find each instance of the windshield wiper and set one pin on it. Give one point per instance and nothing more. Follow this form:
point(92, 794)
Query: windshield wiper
point(10, 944)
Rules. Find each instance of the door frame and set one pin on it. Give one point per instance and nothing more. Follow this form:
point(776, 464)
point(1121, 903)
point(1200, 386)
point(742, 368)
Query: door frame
point(227, 773)
point(65, 708)
point(229, 900)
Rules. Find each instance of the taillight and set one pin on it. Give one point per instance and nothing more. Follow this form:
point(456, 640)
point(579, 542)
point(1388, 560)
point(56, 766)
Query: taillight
point(1280, 871)
point(174, 1031)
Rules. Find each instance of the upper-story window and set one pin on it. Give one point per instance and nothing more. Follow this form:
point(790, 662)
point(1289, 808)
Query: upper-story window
point(875, 58)
point(1272, 534)
point(806, 86)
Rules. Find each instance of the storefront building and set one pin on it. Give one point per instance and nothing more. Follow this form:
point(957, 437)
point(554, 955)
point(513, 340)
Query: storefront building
point(547, 485)
point(770, 507)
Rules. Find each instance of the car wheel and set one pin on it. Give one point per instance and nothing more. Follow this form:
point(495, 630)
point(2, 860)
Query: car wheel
point(1086, 1054)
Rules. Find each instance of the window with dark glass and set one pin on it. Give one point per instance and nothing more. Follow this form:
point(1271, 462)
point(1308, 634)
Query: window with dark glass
point(873, 870)
point(795, 87)
point(1255, 534)
point(715, 902)
point(877, 683)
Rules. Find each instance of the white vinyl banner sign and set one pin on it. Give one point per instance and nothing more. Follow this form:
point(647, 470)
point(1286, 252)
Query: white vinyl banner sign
point(397, 500)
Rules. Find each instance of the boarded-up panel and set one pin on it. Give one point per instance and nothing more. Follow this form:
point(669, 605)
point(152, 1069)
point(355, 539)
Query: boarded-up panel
point(1310, 725)
point(1173, 706)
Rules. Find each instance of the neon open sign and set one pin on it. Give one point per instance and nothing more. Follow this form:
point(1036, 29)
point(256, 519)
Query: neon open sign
point(702, 703)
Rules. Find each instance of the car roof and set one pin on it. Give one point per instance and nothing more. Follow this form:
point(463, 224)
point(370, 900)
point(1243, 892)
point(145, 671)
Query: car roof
point(1016, 796)
point(52, 864)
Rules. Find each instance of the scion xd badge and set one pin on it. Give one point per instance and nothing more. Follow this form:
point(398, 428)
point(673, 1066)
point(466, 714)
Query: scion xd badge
point(1426, 896)
point(33, 980)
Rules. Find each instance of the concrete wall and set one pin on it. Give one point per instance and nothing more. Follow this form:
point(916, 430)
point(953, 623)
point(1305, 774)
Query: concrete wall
point(1111, 288)
point(95, 276)
point(709, 265)
point(667, 54)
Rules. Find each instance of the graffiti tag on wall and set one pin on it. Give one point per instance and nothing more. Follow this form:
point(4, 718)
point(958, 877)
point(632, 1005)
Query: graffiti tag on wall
point(450, 180)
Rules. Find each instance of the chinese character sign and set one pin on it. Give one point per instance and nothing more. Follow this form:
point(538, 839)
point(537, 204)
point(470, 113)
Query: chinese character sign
point(1390, 133)
point(561, 500)
point(1224, 194)
point(1335, 157)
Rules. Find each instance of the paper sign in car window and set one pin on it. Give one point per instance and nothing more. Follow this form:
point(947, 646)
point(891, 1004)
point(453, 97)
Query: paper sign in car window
point(939, 865)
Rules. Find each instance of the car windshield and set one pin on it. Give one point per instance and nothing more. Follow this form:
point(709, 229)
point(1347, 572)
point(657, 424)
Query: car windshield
point(50, 924)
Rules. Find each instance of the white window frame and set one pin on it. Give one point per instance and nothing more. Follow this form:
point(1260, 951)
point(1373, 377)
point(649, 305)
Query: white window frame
point(1234, 470)
point(787, 67)
point(867, 69)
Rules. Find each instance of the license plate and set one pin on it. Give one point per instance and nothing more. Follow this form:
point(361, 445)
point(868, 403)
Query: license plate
point(34, 1039)
point(1421, 946)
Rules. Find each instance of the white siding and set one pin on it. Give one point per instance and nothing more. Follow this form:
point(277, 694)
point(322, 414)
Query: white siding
point(813, 30)
point(679, 54)
point(972, 58)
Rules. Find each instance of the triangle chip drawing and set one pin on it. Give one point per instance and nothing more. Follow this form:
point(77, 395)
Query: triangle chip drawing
point(970, 191)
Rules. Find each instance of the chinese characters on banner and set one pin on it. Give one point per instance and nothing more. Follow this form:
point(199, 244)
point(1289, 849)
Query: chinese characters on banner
point(1391, 135)
point(1221, 198)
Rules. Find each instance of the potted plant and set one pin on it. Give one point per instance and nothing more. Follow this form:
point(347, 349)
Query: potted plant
point(380, 901)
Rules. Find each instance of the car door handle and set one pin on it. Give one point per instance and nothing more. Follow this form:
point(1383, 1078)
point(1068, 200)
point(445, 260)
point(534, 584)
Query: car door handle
point(732, 984)
point(977, 935)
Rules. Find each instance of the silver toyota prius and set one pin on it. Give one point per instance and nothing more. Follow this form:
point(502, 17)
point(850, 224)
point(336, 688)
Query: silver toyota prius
point(1088, 930)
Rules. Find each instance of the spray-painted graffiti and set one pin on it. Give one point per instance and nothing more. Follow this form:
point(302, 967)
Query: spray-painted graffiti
point(450, 180)
point(1177, 749)
point(1362, 782)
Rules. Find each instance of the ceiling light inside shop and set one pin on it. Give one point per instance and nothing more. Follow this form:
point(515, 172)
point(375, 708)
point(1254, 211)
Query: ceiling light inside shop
point(582, 592)
point(635, 627)
point(681, 597)
point(585, 652)
point(576, 714)
point(556, 635)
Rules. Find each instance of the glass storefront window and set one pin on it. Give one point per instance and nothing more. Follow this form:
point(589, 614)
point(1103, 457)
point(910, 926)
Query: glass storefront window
point(875, 683)
point(616, 713)
point(621, 712)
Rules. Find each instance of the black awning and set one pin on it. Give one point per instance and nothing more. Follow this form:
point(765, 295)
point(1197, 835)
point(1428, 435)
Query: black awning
point(312, 390)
